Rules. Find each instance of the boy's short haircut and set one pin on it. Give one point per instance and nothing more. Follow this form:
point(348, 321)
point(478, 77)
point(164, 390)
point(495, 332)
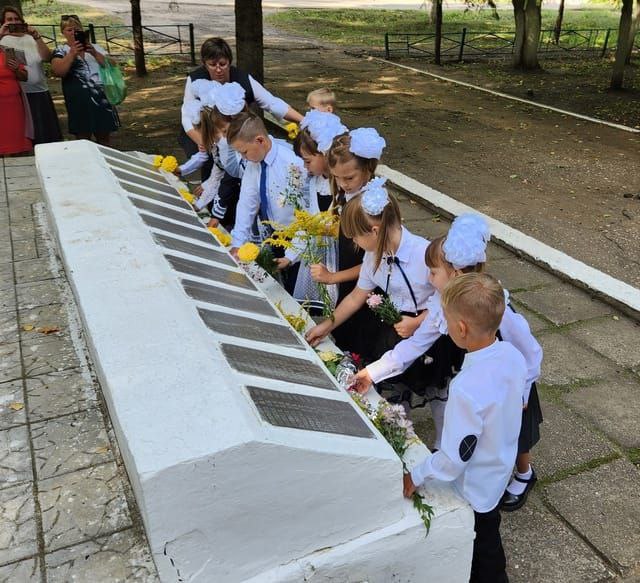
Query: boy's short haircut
point(246, 127)
point(215, 48)
point(478, 299)
point(324, 95)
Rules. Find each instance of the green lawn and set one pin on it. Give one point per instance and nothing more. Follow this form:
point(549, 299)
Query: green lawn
point(367, 27)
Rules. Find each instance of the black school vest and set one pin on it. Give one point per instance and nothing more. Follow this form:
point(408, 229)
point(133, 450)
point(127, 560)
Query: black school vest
point(234, 75)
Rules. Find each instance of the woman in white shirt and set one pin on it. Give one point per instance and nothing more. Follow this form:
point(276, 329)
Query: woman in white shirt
point(78, 64)
point(26, 40)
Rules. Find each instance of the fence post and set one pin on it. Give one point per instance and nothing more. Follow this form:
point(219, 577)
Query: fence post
point(192, 44)
point(606, 42)
point(464, 36)
point(92, 34)
point(386, 45)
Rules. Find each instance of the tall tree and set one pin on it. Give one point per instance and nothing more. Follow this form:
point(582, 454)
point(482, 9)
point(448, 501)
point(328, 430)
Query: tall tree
point(438, 25)
point(635, 27)
point(249, 37)
point(623, 48)
point(528, 25)
point(17, 4)
point(557, 29)
point(138, 42)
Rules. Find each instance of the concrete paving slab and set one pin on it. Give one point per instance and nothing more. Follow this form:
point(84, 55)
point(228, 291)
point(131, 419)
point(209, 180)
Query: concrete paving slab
point(6, 253)
point(496, 252)
point(21, 212)
point(20, 172)
point(565, 442)
point(24, 197)
point(19, 161)
point(82, 505)
point(536, 323)
point(12, 408)
point(566, 361)
point(33, 270)
point(44, 319)
point(34, 294)
point(10, 363)
point(15, 456)
point(17, 524)
point(119, 557)
point(617, 339)
point(23, 183)
point(25, 249)
point(563, 304)
point(603, 505)
point(22, 230)
point(516, 274)
point(6, 276)
point(613, 406)
point(423, 424)
point(559, 555)
point(49, 355)
point(8, 327)
point(59, 393)
point(27, 571)
point(70, 443)
point(427, 228)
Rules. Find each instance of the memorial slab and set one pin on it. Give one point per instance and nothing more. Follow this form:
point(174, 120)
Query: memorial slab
point(247, 461)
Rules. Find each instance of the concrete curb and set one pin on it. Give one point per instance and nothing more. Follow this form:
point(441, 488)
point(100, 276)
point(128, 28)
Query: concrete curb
point(622, 295)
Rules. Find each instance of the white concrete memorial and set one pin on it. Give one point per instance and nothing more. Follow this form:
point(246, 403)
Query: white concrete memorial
point(248, 462)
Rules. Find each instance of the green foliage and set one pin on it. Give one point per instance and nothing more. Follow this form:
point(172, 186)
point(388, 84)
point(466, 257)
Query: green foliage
point(424, 509)
point(49, 12)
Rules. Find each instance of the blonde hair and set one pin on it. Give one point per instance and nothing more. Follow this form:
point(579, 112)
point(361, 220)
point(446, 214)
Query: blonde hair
point(246, 127)
point(324, 95)
point(478, 299)
point(356, 222)
point(70, 20)
point(434, 257)
point(339, 153)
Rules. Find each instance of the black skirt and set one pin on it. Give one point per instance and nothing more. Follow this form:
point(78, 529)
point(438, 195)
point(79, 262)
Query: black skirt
point(46, 127)
point(531, 420)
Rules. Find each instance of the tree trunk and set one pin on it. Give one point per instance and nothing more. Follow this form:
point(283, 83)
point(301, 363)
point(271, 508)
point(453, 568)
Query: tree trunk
point(528, 24)
point(557, 29)
point(249, 38)
point(138, 43)
point(16, 4)
point(438, 39)
point(622, 50)
point(433, 14)
point(635, 27)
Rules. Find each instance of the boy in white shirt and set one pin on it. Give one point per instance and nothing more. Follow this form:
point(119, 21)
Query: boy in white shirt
point(274, 185)
point(482, 418)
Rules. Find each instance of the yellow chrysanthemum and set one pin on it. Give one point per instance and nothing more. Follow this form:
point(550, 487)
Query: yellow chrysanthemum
point(292, 130)
point(157, 160)
point(169, 164)
point(248, 252)
point(328, 355)
point(184, 193)
point(224, 238)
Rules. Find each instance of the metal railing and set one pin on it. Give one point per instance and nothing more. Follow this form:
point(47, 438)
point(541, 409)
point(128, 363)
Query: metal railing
point(465, 44)
point(117, 40)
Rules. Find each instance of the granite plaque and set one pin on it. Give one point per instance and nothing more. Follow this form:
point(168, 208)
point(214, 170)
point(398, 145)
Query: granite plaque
point(135, 168)
point(188, 218)
point(131, 158)
point(211, 272)
point(209, 253)
point(200, 234)
point(222, 296)
point(152, 184)
point(156, 195)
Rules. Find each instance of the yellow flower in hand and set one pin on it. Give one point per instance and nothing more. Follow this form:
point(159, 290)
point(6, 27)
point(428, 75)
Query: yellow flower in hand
point(248, 252)
point(169, 164)
point(157, 161)
point(184, 193)
point(292, 130)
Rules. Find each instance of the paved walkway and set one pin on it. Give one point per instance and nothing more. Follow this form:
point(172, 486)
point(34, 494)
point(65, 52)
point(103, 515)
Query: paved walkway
point(67, 512)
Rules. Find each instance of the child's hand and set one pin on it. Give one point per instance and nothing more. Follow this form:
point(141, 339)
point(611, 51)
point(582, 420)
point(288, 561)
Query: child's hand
point(197, 191)
point(282, 263)
point(321, 274)
point(362, 381)
point(177, 171)
point(234, 253)
point(408, 486)
point(318, 333)
point(213, 222)
point(407, 326)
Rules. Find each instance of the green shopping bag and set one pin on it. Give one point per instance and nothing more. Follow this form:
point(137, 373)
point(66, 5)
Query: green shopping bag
point(113, 82)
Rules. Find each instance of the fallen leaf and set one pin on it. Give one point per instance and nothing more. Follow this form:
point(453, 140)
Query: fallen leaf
point(16, 406)
point(102, 449)
point(48, 329)
point(28, 327)
point(616, 318)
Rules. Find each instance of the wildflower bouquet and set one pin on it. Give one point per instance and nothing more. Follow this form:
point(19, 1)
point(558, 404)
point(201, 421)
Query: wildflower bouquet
point(293, 194)
point(297, 321)
point(262, 256)
point(384, 308)
point(310, 234)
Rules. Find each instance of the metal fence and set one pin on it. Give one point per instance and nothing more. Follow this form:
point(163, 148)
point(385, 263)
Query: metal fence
point(117, 40)
point(469, 45)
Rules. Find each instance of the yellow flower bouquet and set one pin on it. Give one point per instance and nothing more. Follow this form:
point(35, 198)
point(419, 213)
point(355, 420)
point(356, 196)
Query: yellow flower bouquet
point(224, 238)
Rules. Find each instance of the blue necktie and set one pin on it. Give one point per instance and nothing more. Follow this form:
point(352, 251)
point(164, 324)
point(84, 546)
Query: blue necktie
point(264, 201)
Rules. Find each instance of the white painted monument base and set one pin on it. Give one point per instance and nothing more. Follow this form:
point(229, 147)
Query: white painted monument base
point(247, 461)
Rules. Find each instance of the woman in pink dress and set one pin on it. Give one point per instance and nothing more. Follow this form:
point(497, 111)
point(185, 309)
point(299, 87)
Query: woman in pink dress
point(13, 138)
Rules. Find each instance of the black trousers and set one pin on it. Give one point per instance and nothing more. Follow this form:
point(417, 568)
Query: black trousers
point(489, 562)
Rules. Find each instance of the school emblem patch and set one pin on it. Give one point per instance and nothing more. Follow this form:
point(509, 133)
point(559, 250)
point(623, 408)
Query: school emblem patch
point(467, 447)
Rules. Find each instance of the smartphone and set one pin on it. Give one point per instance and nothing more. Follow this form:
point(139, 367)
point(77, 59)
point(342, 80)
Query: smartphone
point(10, 54)
point(80, 36)
point(18, 27)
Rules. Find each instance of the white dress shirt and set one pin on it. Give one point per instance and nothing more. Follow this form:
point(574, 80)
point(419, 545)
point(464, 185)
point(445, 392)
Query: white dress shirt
point(514, 328)
point(231, 161)
point(319, 187)
point(481, 427)
point(264, 99)
point(279, 161)
point(410, 254)
point(36, 81)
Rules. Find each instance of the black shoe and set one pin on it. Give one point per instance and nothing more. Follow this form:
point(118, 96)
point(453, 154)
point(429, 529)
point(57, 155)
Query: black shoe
point(511, 502)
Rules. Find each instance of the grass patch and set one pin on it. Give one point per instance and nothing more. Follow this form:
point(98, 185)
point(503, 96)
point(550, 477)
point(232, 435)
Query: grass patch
point(579, 469)
point(367, 27)
point(41, 12)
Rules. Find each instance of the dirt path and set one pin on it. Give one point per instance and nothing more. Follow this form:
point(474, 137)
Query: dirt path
point(561, 180)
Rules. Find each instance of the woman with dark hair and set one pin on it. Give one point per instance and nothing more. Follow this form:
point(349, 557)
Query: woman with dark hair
point(217, 66)
point(19, 36)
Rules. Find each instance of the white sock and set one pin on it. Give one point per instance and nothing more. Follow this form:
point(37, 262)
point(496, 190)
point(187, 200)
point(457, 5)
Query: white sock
point(515, 487)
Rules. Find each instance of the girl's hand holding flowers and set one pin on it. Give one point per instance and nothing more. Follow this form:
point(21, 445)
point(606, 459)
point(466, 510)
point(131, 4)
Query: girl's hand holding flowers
point(318, 333)
point(320, 274)
point(362, 381)
point(282, 263)
point(407, 326)
point(213, 222)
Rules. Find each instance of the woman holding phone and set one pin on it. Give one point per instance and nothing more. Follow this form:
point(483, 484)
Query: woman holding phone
point(78, 63)
point(27, 42)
